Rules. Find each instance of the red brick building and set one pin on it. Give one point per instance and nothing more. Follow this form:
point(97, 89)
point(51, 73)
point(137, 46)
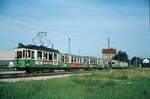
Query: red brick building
point(108, 54)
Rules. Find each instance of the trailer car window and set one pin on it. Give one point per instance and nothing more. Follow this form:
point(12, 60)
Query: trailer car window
point(72, 59)
point(67, 59)
point(55, 56)
point(63, 59)
point(50, 56)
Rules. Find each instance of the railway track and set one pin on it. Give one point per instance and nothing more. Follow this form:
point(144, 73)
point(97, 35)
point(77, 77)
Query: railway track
point(24, 75)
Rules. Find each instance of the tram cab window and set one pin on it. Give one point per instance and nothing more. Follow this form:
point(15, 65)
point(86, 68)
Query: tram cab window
point(50, 56)
point(19, 54)
point(39, 54)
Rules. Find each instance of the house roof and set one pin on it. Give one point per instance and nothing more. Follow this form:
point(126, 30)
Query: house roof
point(109, 51)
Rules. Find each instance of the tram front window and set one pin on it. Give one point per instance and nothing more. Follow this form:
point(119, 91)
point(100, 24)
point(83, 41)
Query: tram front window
point(19, 54)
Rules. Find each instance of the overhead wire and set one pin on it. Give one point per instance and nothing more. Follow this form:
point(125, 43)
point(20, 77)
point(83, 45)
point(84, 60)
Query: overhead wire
point(20, 25)
point(34, 24)
point(72, 36)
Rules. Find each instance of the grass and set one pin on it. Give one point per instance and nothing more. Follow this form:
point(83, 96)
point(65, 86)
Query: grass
point(112, 84)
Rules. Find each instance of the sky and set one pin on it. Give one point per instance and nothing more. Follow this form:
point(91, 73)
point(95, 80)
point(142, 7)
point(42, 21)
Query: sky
point(87, 22)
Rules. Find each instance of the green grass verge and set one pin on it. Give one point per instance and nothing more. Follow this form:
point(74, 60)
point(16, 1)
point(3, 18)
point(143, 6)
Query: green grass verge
point(113, 84)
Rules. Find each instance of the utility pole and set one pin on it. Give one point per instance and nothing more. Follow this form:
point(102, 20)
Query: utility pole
point(52, 46)
point(149, 12)
point(69, 44)
point(108, 42)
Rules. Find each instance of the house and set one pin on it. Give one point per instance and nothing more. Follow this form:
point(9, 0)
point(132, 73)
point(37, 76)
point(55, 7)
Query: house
point(108, 54)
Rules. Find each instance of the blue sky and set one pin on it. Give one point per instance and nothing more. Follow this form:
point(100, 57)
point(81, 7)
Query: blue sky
point(87, 22)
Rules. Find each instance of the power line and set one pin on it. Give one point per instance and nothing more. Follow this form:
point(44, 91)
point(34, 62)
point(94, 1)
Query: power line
point(37, 25)
point(34, 24)
point(149, 12)
point(22, 26)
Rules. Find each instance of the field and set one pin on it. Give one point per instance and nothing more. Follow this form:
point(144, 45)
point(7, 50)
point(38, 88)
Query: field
point(105, 84)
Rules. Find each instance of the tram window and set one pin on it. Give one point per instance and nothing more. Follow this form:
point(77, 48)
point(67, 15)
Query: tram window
point(45, 55)
point(72, 59)
point(80, 60)
point(75, 59)
point(63, 59)
point(55, 56)
point(19, 54)
point(91, 61)
point(29, 53)
point(39, 54)
point(50, 56)
point(32, 54)
point(67, 59)
point(84, 60)
point(23, 53)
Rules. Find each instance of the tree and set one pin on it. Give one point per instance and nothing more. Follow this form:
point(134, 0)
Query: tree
point(121, 56)
point(136, 61)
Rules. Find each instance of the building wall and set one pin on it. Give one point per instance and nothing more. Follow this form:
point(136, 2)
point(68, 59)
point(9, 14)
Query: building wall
point(108, 54)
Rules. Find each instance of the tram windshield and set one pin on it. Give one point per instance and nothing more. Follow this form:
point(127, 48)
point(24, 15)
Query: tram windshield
point(19, 54)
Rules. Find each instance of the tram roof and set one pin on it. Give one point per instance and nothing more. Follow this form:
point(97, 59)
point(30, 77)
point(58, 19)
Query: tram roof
point(81, 56)
point(35, 47)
